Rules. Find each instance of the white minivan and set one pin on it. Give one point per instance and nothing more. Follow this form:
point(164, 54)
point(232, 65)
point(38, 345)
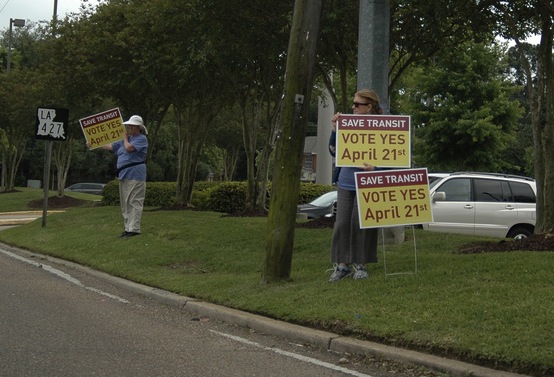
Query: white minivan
point(483, 204)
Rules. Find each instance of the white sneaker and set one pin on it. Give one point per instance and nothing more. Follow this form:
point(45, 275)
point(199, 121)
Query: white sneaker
point(339, 272)
point(359, 272)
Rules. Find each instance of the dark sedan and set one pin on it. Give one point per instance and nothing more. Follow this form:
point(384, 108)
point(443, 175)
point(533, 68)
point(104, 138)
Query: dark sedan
point(320, 207)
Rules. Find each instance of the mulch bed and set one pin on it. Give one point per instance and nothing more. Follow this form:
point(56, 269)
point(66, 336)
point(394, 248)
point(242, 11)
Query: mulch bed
point(55, 202)
point(537, 242)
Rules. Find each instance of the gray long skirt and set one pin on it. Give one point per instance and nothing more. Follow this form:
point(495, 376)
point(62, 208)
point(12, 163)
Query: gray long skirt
point(350, 243)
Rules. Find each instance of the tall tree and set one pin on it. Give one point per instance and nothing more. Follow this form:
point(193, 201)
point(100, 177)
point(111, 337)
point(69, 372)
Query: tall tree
point(462, 106)
point(20, 91)
point(183, 68)
point(519, 19)
point(286, 179)
point(251, 50)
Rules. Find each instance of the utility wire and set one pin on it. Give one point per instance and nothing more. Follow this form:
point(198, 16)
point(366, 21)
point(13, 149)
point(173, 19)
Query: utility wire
point(3, 6)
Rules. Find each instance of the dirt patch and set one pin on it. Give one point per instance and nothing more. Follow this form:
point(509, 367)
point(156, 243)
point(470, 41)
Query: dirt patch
point(537, 242)
point(56, 202)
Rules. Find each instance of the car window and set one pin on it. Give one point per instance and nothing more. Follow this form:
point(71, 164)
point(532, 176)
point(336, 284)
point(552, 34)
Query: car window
point(325, 200)
point(492, 190)
point(433, 183)
point(523, 193)
point(456, 189)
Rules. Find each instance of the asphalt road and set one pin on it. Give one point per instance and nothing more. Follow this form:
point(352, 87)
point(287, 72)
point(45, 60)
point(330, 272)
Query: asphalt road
point(55, 321)
point(58, 318)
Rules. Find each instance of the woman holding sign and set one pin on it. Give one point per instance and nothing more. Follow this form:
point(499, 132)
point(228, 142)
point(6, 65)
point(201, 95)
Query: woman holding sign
point(131, 172)
point(352, 247)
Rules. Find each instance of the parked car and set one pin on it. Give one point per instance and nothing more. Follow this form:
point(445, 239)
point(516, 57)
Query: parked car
point(321, 206)
point(89, 188)
point(484, 204)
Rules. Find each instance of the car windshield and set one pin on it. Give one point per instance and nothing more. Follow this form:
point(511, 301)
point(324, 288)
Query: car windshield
point(325, 199)
point(434, 183)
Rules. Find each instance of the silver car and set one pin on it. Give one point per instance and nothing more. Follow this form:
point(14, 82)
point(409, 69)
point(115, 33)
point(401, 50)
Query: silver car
point(89, 188)
point(483, 204)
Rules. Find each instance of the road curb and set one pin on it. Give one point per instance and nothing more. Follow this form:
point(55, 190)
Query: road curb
point(299, 334)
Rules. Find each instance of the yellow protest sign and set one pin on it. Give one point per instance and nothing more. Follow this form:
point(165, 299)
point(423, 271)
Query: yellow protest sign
point(393, 197)
point(380, 140)
point(103, 128)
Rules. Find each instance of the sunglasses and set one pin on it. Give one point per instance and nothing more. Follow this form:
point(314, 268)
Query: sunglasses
point(358, 104)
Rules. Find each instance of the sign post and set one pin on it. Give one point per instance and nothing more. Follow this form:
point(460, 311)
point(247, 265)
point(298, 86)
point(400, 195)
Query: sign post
point(51, 125)
point(388, 198)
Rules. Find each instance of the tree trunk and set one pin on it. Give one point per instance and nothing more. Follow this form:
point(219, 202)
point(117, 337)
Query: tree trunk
point(11, 158)
point(543, 127)
point(230, 158)
point(193, 126)
point(265, 161)
point(286, 178)
point(541, 100)
point(251, 125)
point(62, 160)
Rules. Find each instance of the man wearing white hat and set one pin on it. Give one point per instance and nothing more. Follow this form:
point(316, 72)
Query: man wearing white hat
point(131, 168)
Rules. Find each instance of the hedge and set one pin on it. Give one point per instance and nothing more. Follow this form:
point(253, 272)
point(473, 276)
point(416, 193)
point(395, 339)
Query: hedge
point(225, 197)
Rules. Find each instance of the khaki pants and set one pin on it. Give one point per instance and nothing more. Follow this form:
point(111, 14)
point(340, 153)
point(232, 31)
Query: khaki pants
point(131, 197)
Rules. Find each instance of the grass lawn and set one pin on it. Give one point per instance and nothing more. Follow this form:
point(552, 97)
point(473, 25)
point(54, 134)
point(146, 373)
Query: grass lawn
point(493, 309)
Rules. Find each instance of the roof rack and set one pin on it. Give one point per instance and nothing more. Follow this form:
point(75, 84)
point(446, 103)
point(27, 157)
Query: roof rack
point(495, 175)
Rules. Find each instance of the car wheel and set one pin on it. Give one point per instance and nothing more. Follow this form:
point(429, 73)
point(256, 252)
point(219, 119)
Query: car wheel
point(519, 233)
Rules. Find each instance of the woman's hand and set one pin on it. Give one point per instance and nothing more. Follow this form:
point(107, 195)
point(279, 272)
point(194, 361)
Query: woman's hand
point(368, 167)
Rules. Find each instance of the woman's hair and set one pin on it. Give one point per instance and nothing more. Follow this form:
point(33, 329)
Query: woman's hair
point(371, 97)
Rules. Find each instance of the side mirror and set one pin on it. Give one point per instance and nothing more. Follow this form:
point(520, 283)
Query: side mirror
point(439, 196)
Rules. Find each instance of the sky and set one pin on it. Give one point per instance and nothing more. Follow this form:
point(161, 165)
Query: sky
point(34, 10)
point(38, 10)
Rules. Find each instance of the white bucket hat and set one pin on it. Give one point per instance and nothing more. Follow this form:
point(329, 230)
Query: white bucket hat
point(136, 120)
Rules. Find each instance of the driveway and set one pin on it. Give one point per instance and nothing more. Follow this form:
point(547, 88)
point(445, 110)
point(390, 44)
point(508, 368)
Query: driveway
point(11, 219)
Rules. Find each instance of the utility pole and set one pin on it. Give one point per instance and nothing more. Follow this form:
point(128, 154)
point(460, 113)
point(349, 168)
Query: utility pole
point(373, 48)
point(373, 68)
point(48, 143)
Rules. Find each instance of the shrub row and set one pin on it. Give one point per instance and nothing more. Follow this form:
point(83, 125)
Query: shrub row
point(225, 197)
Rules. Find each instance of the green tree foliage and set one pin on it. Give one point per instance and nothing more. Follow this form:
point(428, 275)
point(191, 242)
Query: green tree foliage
point(462, 111)
point(251, 52)
point(21, 92)
point(197, 59)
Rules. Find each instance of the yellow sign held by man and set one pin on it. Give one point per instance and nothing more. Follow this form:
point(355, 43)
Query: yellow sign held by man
point(103, 128)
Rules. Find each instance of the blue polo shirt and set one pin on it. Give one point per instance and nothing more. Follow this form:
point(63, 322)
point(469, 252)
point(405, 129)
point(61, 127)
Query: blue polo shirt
point(137, 172)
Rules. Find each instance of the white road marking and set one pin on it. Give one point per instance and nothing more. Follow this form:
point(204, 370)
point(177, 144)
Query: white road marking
point(63, 275)
point(293, 355)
